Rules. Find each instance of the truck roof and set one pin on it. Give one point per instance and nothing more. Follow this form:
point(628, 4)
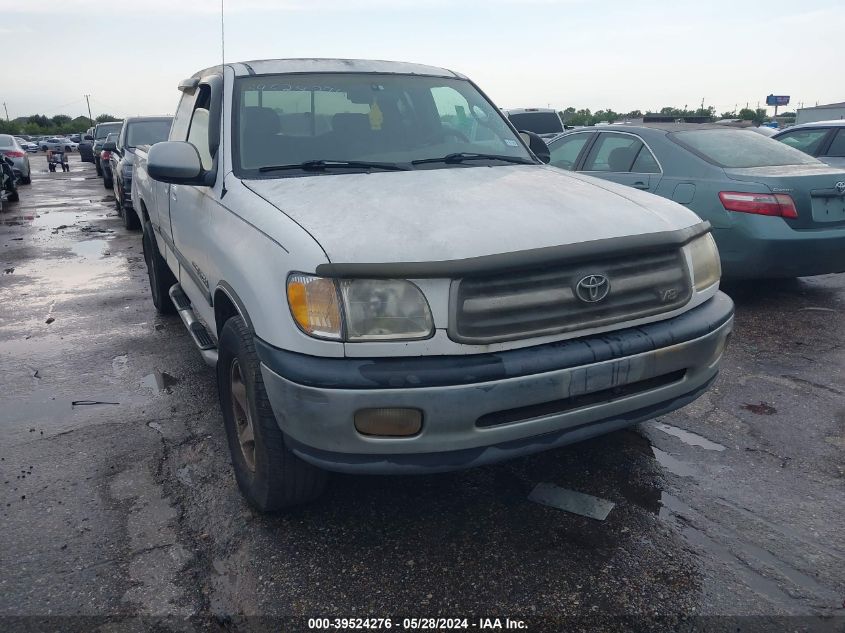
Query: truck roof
point(318, 65)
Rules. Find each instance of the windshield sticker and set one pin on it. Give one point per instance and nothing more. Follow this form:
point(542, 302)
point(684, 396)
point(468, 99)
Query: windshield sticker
point(511, 142)
point(376, 117)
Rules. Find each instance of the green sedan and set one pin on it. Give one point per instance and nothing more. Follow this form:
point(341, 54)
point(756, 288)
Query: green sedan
point(775, 211)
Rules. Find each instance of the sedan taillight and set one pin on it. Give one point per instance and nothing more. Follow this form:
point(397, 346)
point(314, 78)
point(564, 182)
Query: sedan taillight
point(104, 155)
point(779, 204)
point(14, 154)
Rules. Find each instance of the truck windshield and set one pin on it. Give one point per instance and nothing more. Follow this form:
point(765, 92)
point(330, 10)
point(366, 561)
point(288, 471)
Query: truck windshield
point(147, 132)
point(409, 120)
point(537, 122)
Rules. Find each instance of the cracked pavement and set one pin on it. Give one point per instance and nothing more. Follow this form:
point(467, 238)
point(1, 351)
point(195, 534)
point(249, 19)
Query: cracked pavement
point(731, 506)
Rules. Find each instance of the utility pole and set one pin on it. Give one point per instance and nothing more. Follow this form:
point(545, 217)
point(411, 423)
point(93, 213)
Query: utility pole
point(7, 110)
point(90, 118)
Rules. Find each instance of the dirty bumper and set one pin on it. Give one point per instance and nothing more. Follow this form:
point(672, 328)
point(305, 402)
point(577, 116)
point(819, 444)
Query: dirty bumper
point(493, 407)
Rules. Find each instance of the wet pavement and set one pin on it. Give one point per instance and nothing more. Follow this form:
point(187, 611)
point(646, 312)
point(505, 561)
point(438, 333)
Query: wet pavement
point(118, 497)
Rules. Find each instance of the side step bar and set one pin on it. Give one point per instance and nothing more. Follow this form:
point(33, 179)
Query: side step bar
point(202, 339)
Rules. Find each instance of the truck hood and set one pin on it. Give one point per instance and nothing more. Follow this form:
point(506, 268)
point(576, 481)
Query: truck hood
point(448, 214)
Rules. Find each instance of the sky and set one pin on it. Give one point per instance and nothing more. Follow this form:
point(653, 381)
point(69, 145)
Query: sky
point(129, 55)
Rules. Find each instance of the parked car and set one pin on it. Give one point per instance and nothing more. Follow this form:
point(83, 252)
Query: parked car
point(542, 121)
point(76, 138)
point(101, 131)
point(28, 146)
point(775, 211)
point(11, 148)
point(58, 144)
point(136, 132)
point(823, 139)
point(402, 286)
point(105, 160)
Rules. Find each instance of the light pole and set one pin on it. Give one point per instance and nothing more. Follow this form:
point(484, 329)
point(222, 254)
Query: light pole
point(7, 110)
point(90, 118)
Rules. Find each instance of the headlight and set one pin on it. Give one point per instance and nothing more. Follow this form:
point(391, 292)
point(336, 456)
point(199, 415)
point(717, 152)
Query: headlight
point(314, 305)
point(706, 268)
point(372, 309)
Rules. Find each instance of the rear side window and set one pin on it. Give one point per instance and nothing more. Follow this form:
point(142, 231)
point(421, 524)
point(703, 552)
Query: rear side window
point(613, 153)
point(807, 141)
point(837, 147)
point(6, 141)
point(740, 149)
point(646, 163)
point(565, 152)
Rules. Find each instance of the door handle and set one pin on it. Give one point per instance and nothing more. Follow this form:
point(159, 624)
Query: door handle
point(640, 185)
point(173, 193)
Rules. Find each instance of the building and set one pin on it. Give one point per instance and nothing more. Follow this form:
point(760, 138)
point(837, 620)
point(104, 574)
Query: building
point(828, 112)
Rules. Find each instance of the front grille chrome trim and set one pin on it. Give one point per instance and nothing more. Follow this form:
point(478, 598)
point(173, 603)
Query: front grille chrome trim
point(516, 305)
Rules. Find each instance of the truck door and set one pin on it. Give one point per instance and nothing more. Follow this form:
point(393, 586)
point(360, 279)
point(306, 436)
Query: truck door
point(624, 158)
point(191, 208)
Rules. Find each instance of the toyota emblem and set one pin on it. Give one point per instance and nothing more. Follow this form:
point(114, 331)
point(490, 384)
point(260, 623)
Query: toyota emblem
point(592, 288)
point(840, 187)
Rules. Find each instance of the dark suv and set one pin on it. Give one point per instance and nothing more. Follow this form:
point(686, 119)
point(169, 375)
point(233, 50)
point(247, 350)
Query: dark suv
point(101, 131)
point(136, 132)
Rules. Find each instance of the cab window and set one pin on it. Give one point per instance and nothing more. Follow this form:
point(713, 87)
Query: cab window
point(808, 141)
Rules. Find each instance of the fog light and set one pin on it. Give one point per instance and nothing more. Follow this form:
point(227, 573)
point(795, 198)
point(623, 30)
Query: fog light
point(389, 422)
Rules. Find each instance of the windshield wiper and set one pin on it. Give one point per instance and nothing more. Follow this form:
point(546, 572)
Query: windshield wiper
point(323, 165)
point(460, 157)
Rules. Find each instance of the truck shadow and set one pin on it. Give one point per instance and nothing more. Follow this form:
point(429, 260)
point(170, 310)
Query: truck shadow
point(473, 538)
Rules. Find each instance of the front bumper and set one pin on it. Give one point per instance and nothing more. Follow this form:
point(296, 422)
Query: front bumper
point(760, 247)
point(481, 409)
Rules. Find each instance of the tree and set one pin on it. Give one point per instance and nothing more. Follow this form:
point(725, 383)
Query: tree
point(39, 119)
point(105, 118)
point(755, 116)
point(729, 115)
point(60, 119)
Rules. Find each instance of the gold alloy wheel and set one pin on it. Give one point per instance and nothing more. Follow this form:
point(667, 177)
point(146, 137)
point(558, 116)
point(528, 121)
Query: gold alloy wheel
point(240, 411)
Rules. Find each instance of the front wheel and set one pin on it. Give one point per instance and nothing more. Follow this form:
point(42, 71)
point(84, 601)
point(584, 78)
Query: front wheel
point(269, 475)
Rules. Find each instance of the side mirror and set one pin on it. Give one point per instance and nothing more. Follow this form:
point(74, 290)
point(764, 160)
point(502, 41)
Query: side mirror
point(536, 145)
point(176, 162)
point(109, 147)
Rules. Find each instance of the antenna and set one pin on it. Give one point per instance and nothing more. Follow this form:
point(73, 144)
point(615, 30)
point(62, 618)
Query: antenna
point(221, 156)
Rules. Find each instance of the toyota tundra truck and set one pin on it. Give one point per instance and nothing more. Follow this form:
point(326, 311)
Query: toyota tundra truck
point(388, 278)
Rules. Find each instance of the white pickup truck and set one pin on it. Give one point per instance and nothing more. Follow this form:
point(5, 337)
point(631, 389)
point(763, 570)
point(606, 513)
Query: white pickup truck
point(389, 279)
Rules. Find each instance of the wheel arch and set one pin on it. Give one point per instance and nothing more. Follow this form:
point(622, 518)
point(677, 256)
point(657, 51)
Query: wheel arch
point(226, 305)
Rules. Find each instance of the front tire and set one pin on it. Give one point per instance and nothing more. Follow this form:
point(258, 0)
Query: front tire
point(160, 276)
point(108, 183)
point(97, 167)
point(269, 475)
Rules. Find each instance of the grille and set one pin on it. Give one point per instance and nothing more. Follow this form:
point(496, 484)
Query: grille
point(544, 300)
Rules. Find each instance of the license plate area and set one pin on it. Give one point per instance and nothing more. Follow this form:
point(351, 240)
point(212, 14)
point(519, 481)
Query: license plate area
point(828, 208)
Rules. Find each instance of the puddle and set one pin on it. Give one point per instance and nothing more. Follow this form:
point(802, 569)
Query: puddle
point(90, 249)
point(688, 437)
point(159, 382)
point(54, 219)
point(673, 465)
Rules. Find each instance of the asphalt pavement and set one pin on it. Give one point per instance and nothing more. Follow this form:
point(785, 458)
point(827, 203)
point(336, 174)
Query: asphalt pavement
point(117, 499)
